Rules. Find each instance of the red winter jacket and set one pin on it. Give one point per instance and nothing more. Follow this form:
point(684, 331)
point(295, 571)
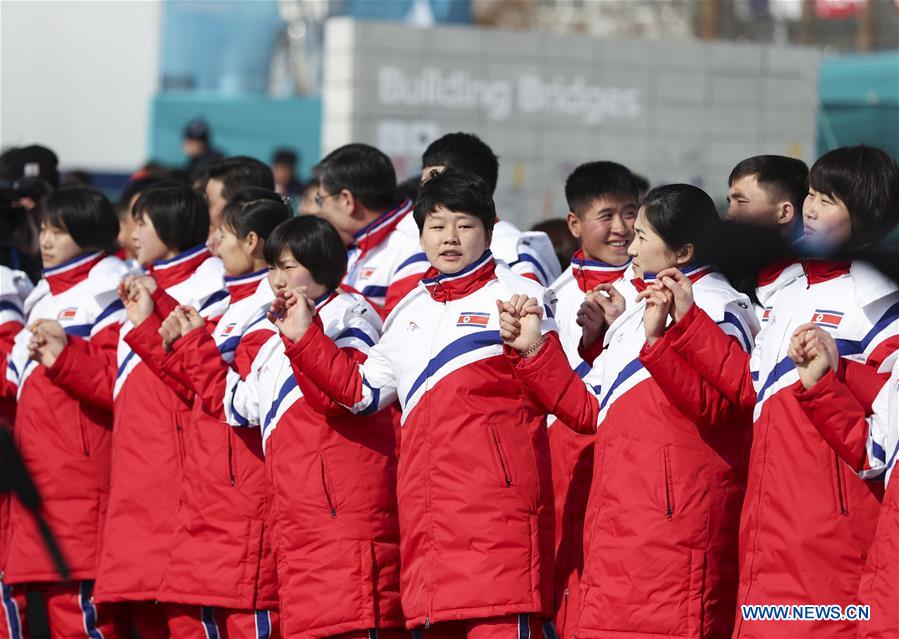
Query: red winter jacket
point(148, 432)
point(808, 519)
point(334, 509)
point(65, 441)
point(868, 445)
point(473, 487)
point(219, 553)
point(669, 473)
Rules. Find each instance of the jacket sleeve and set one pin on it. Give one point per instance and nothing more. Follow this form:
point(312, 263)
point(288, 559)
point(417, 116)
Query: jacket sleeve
point(857, 433)
point(361, 388)
point(684, 387)
point(207, 372)
point(87, 371)
point(355, 336)
point(548, 378)
point(716, 356)
point(145, 341)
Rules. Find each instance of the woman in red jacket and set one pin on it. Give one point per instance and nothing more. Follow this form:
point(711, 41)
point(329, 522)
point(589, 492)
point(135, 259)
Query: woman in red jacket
point(172, 222)
point(65, 439)
point(670, 453)
point(220, 566)
point(808, 519)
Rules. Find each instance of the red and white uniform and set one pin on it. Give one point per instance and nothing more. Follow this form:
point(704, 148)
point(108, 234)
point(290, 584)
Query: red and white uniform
point(148, 431)
point(530, 254)
point(473, 482)
point(219, 554)
point(808, 519)
point(65, 442)
point(571, 452)
point(14, 289)
point(867, 441)
point(669, 463)
point(379, 258)
point(333, 475)
point(771, 281)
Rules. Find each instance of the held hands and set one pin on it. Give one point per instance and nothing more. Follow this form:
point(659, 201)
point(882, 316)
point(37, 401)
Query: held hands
point(179, 323)
point(136, 294)
point(601, 307)
point(292, 313)
point(813, 351)
point(48, 339)
point(681, 289)
point(659, 302)
point(519, 322)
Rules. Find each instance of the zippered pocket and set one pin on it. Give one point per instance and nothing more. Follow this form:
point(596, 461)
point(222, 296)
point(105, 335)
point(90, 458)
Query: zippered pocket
point(501, 456)
point(85, 447)
point(179, 435)
point(326, 488)
point(840, 481)
point(668, 483)
point(229, 433)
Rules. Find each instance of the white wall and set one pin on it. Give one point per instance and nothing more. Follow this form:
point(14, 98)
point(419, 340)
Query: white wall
point(79, 76)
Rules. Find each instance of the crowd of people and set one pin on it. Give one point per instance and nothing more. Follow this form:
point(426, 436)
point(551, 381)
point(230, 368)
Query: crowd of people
point(394, 415)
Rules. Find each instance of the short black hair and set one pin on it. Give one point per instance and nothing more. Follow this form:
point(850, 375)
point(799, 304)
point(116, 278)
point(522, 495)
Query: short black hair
point(179, 214)
point(593, 180)
point(364, 171)
point(780, 177)
point(255, 210)
point(287, 156)
point(241, 171)
point(85, 214)
point(866, 180)
point(466, 152)
point(457, 191)
point(641, 182)
point(132, 188)
point(683, 214)
point(314, 243)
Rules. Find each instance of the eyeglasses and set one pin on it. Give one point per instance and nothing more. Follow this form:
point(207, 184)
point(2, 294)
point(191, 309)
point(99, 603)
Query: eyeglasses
point(319, 199)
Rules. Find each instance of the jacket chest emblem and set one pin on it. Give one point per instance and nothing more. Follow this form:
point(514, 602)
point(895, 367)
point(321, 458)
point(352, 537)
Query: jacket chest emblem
point(67, 314)
point(827, 319)
point(473, 319)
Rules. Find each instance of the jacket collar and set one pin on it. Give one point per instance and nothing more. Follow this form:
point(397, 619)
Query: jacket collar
point(818, 271)
point(693, 272)
point(168, 273)
point(588, 273)
point(64, 276)
point(367, 238)
point(242, 286)
point(446, 288)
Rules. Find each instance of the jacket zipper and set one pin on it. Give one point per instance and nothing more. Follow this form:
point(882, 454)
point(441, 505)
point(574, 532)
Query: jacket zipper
point(502, 457)
point(327, 490)
point(843, 509)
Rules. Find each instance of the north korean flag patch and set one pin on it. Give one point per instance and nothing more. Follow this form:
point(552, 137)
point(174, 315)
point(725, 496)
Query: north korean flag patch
point(227, 330)
point(766, 314)
point(67, 314)
point(827, 319)
point(366, 273)
point(473, 319)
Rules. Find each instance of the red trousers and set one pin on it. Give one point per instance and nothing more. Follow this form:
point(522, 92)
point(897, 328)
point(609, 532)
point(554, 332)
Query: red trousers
point(522, 626)
point(207, 622)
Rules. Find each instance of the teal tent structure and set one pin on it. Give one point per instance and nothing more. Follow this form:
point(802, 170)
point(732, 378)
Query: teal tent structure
point(859, 101)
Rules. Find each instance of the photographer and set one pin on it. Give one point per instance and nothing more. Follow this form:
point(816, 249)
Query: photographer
point(27, 176)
